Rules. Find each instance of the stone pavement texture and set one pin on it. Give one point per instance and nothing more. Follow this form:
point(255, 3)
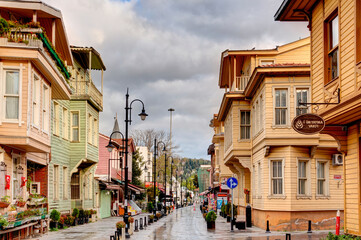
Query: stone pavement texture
point(182, 224)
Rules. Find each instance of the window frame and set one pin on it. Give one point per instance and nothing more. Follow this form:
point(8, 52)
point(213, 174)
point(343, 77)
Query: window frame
point(307, 193)
point(287, 124)
point(65, 123)
point(329, 50)
point(72, 127)
point(45, 118)
point(65, 183)
point(19, 95)
point(90, 128)
point(56, 120)
point(245, 125)
point(36, 96)
point(13, 178)
point(270, 166)
point(326, 178)
point(259, 179)
point(295, 97)
point(56, 182)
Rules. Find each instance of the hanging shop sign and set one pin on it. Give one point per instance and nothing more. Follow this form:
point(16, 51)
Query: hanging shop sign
point(308, 123)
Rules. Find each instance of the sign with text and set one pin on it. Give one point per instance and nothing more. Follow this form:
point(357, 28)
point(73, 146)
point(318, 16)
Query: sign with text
point(308, 123)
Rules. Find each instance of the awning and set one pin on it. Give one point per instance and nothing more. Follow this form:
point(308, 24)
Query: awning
point(135, 189)
point(109, 185)
point(204, 193)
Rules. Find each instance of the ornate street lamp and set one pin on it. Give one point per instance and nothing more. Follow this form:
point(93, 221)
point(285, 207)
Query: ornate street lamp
point(156, 145)
point(128, 121)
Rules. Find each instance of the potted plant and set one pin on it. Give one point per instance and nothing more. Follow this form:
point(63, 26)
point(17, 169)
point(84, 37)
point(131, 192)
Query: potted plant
point(62, 221)
point(81, 216)
point(69, 220)
point(151, 219)
point(3, 222)
point(131, 222)
point(150, 207)
point(93, 214)
point(211, 220)
point(4, 201)
point(222, 209)
point(228, 211)
point(204, 215)
point(20, 202)
point(120, 226)
point(158, 215)
point(86, 216)
point(75, 214)
point(54, 216)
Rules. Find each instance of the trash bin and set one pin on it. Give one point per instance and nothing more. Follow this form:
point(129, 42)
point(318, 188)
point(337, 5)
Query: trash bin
point(249, 216)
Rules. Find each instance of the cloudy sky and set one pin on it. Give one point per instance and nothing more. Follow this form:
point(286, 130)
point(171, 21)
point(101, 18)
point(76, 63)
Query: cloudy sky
point(168, 53)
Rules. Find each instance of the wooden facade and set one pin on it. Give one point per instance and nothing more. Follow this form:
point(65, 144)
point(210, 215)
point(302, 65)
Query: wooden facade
point(29, 80)
point(75, 131)
point(335, 28)
point(280, 168)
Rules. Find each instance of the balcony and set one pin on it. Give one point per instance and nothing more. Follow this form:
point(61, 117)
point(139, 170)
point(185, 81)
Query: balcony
point(86, 90)
point(240, 83)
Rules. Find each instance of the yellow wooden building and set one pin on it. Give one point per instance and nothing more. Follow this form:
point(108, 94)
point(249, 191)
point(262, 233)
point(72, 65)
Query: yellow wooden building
point(291, 177)
point(335, 28)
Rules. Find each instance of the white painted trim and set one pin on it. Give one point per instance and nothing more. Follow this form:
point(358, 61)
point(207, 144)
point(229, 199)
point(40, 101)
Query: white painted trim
point(327, 178)
point(308, 190)
point(29, 120)
point(270, 194)
point(309, 110)
point(288, 122)
point(3, 72)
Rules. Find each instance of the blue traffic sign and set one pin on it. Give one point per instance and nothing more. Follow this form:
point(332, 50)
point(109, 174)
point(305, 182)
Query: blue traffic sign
point(232, 182)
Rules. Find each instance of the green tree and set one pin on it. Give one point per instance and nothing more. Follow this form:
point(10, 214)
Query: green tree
point(195, 181)
point(137, 162)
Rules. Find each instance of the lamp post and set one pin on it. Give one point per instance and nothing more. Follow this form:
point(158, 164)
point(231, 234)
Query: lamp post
point(154, 168)
point(128, 121)
point(171, 177)
point(181, 191)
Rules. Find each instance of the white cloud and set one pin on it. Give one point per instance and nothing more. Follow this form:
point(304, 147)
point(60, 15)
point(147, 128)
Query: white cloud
point(168, 54)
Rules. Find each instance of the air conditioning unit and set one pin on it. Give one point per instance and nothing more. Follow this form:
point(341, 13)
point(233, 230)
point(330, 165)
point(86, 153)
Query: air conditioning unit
point(337, 159)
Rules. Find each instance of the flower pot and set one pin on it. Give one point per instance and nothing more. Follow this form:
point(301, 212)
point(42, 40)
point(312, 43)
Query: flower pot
point(120, 231)
point(228, 219)
point(20, 204)
point(211, 225)
point(53, 224)
point(4, 204)
point(150, 221)
point(75, 222)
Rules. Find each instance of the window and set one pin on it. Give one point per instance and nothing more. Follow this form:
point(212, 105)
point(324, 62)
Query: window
point(46, 103)
point(86, 186)
point(90, 185)
point(276, 177)
point(95, 132)
point(303, 177)
point(75, 186)
point(301, 96)
point(259, 183)
point(56, 182)
point(333, 52)
point(3, 172)
point(90, 129)
point(65, 124)
point(257, 117)
point(36, 101)
point(281, 107)
point(65, 183)
point(56, 119)
point(321, 178)
point(11, 94)
point(17, 174)
point(261, 112)
point(75, 126)
point(245, 125)
point(266, 62)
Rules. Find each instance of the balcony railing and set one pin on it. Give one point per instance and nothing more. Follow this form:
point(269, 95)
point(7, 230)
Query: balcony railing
point(240, 83)
point(86, 90)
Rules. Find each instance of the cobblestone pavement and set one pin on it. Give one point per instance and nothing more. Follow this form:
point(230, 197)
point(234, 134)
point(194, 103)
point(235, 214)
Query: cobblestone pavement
point(182, 224)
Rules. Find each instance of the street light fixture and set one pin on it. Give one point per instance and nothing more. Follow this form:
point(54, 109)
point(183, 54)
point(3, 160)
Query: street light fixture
point(128, 121)
point(156, 145)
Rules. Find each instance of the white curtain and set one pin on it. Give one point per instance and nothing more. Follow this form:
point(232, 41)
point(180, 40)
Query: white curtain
point(12, 95)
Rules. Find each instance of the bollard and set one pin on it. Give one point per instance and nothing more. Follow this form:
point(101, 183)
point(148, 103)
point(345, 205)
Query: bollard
point(288, 236)
point(309, 226)
point(338, 223)
point(141, 224)
point(145, 222)
point(136, 226)
point(112, 238)
point(267, 230)
point(116, 235)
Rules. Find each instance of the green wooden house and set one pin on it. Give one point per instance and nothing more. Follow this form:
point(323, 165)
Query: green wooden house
point(74, 142)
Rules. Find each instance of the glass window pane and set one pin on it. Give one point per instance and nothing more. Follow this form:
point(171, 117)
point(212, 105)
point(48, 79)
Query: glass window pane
point(284, 98)
point(278, 98)
point(334, 64)
point(12, 108)
point(283, 116)
point(334, 32)
point(12, 83)
point(75, 134)
point(75, 119)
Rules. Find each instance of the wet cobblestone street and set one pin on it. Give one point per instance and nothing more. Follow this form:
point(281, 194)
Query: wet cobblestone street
point(184, 223)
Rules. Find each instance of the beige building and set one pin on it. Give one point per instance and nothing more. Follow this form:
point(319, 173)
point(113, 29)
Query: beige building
point(290, 177)
point(335, 28)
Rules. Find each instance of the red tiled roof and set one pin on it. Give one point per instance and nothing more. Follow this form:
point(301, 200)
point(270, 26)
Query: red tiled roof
point(285, 65)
